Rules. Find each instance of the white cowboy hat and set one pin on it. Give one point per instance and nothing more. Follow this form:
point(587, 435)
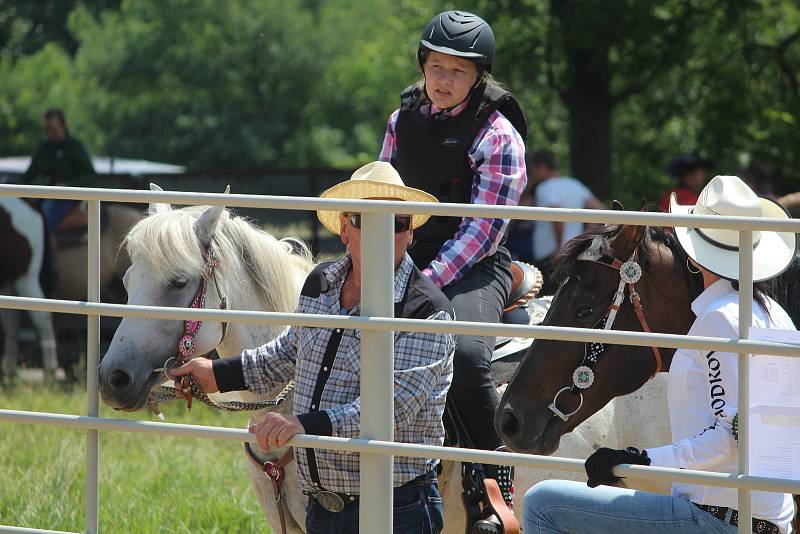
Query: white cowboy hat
point(718, 250)
point(374, 180)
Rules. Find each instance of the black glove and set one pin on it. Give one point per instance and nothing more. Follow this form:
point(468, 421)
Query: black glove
point(602, 461)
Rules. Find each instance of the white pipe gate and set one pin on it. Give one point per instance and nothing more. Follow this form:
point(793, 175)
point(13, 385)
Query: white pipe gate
point(376, 440)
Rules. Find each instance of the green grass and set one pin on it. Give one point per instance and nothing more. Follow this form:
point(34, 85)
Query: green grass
point(147, 483)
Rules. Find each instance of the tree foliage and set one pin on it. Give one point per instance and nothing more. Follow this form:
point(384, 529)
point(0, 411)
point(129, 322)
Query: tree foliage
point(615, 87)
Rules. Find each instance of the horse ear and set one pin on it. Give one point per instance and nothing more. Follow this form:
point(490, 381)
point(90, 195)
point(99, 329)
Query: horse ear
point(616, 205)
point(206, 224)
point(155, 207)
point(626, 240)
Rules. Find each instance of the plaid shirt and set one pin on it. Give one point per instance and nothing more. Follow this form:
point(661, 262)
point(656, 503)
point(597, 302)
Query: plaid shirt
point(497, 157)
point(423, 366)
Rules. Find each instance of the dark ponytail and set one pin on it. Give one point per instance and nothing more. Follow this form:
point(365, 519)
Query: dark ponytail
point(760, 292)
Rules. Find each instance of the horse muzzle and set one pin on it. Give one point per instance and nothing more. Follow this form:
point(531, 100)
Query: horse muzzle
point(529, 433)
point(122, 388)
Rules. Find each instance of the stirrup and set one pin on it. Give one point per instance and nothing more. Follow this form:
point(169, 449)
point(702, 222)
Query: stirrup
point(486, 508)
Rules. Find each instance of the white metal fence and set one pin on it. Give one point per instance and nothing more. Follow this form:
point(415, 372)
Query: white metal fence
point(376, 439)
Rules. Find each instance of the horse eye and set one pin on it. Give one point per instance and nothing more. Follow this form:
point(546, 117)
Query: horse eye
point(178, 283)
point(586, 311)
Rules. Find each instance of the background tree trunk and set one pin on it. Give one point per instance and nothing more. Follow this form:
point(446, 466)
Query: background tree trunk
point(586, 93)
point(590, 106)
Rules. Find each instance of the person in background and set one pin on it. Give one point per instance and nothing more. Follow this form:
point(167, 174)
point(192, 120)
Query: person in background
point(60, 160)
point(689, 171)
point(520, 232)
point(555, 191)
point(461, 137)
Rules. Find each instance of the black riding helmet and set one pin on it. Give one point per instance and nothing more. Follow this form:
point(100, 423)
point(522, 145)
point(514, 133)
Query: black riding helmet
point(458, 33)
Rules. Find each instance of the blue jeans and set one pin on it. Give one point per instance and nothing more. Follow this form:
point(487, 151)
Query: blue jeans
point(417, 510)
point(55, 210)
point(566, 506)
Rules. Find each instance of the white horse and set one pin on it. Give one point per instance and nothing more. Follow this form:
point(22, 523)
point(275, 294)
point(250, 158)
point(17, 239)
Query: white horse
point(22, 244)
point(256, 272)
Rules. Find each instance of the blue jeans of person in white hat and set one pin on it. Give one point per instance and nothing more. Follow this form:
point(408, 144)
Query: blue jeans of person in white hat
point(556, 506)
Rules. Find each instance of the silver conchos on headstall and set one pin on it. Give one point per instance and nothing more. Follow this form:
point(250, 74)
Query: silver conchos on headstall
point(583, 377)
point(630, 272)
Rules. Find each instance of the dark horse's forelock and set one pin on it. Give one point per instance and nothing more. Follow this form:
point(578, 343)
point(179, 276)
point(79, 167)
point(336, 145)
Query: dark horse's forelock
point(785, 289)
point(564, 262)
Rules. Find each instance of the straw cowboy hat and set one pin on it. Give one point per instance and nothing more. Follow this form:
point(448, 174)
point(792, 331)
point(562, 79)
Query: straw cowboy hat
point(718, 250)
point(374, 180)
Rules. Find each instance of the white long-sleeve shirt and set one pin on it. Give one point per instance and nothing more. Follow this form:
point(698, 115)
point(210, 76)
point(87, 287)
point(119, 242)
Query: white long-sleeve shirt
point(703, 400)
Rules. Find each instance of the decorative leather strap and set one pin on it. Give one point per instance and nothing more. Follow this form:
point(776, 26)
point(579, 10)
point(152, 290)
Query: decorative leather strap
point(499, 507)
point(639, 311)
point(275, 472)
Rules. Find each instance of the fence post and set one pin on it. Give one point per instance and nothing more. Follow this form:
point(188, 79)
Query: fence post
point(377, 370)
point(92, 350)
point(745, 321)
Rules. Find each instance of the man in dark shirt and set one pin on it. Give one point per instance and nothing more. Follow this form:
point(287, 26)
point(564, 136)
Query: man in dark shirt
point(60, 160)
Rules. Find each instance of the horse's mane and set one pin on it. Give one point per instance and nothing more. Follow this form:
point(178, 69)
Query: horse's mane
point(168, 244)
point(564, 262)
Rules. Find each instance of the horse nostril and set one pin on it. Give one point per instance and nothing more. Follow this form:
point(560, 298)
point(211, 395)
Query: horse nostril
point(509, 423)
point(119, 379)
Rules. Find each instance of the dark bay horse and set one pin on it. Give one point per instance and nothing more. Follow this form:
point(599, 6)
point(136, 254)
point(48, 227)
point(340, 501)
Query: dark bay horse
point(524, 418)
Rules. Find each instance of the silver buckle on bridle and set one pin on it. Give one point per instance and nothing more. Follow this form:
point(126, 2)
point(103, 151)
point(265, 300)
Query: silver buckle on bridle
point(554, 405)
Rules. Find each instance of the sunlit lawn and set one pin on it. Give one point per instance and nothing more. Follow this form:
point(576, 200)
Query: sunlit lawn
point(147, 483)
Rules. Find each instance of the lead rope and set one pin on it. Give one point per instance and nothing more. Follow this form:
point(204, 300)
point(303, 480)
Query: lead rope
point(163, 394)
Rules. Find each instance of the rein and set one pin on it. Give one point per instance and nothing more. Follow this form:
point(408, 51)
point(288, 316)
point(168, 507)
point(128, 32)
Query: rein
point(630, 272)
point(187, 346)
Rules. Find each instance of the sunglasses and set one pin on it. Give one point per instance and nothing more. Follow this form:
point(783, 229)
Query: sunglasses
point(402, 223)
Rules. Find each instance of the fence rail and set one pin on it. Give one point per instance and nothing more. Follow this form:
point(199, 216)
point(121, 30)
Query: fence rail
point(376, 443)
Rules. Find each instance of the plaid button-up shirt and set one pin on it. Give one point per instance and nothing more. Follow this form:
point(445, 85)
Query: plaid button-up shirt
point(423, 370)
point(497, 157)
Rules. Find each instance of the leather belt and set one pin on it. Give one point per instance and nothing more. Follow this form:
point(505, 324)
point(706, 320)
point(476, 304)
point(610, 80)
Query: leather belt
point(729, 515)
point(332, 501)
point(335, 502)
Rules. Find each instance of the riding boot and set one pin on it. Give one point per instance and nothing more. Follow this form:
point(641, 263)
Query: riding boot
point(504, 476)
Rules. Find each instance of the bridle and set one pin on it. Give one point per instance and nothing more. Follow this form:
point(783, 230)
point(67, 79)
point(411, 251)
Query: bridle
point(187, 344)
point(630, 272)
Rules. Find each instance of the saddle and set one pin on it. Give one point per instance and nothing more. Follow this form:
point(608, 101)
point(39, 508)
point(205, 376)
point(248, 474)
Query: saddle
point(526, 282)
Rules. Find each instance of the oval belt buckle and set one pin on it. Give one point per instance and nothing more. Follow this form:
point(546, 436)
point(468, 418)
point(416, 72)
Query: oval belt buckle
point(330, 500)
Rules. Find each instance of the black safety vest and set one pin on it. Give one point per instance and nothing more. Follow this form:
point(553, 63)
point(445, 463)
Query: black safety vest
point(432, 155)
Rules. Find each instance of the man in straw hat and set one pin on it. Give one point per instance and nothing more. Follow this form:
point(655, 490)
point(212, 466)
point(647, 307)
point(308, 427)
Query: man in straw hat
point(703, 396)
point(325, 364)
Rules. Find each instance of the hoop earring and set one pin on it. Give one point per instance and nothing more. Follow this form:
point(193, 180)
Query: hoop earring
point(689, 267)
